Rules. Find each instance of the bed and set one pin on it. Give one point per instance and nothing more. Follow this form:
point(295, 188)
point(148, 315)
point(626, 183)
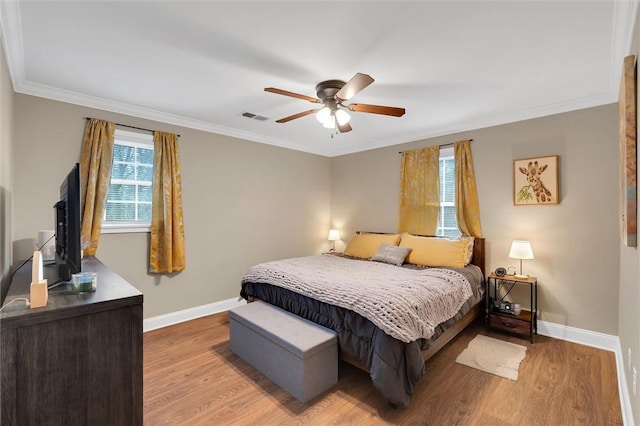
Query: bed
point(390, 316)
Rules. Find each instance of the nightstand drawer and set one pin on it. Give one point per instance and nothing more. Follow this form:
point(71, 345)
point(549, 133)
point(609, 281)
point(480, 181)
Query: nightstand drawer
point(509, 323)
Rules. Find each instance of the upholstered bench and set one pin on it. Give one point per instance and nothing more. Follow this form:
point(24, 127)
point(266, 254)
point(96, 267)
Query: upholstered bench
point(298, 355)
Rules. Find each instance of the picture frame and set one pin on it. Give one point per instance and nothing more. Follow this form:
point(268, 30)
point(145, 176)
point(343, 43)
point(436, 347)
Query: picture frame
point(627, 153)
point(535, 181)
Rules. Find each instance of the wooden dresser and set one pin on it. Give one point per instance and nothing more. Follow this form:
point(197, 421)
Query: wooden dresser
point(76, 361)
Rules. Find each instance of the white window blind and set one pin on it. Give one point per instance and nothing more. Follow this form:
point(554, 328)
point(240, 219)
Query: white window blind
point(447, 224)
point(128, 206)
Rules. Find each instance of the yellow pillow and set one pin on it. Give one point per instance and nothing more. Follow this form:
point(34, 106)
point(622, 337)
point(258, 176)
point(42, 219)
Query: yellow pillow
point(433, 251)
point(366, 245)
point(470, 242)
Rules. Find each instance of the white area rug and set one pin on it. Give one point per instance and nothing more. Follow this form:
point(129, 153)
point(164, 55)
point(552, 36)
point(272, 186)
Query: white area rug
point(493, 356)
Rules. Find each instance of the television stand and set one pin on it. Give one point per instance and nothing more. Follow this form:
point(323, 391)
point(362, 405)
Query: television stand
point(78, 360)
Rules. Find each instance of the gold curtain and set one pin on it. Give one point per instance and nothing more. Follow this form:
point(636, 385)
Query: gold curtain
point(167, 251)
point(467, 205)
point(420, 191)
point(95, 175)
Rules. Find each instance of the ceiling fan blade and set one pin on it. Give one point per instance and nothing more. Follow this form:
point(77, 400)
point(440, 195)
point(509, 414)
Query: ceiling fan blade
point(353, 86)
point(377, 109)
point(298, 115)
point(346, 127)
point(292, 94)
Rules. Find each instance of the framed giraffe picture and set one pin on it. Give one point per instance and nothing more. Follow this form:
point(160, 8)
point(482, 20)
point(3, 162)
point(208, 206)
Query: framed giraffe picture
point(535, 181)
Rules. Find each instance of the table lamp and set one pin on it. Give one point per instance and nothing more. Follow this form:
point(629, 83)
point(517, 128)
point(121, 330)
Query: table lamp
point(334, 236)
point(521, 250)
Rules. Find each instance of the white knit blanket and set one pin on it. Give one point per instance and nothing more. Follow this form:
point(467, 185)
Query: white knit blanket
point(407, 304)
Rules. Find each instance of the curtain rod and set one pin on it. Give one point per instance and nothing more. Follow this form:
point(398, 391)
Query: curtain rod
point(441, 146)
point(131, 127)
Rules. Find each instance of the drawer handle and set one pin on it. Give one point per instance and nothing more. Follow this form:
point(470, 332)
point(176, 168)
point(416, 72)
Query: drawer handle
point(509, 324)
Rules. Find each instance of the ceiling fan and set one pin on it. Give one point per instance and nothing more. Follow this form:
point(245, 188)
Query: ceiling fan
point(332, 94)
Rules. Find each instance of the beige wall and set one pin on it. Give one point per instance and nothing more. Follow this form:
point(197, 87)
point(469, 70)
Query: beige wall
point(628, 313)
point(575, 243)
point(243, 202)
point(6, 181)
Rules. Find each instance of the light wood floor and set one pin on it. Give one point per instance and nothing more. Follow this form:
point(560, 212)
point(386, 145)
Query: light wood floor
point(191, 377)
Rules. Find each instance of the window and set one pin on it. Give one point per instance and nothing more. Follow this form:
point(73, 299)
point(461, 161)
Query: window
point(447, 224)
point(128, 206)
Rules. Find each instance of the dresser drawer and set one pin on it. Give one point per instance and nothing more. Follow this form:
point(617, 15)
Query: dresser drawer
point(510, 323)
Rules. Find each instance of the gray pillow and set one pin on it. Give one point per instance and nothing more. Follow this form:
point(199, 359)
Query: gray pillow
point(388, 253)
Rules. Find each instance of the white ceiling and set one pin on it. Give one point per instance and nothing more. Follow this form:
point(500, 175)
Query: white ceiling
point(454, 65)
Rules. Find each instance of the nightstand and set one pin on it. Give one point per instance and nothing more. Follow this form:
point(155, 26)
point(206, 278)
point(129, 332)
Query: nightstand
point(526, 322)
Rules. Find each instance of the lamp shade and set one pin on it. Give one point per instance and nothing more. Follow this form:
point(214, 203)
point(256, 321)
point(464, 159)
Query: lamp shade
point(323, 115)
point(330, 123)
point(334, 235)
point(342, 117)
point(521, 250)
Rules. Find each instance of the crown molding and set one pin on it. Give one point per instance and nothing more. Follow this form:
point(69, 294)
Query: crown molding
point(11, 33)
point(599, 99)
point(334, 150)
point(624, 20)
point(625, 12)
point(56, 94)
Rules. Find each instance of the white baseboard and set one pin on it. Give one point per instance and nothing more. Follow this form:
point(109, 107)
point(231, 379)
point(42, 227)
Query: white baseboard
point(578, 335)
point(623, 389)
point(177, 317)
point(597, 340)
point(557, 331)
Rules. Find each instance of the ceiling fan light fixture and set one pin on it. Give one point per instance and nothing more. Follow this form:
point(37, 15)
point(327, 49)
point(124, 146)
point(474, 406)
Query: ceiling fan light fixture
point(323, 115)
point(342, 117)
point(329, 108)
point(330, 123)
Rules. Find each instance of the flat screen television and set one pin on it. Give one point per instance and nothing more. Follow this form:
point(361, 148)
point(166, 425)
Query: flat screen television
point(67, 212)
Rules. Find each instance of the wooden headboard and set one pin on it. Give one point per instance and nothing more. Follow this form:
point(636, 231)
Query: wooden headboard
point(478, 254)
point(478, 248)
